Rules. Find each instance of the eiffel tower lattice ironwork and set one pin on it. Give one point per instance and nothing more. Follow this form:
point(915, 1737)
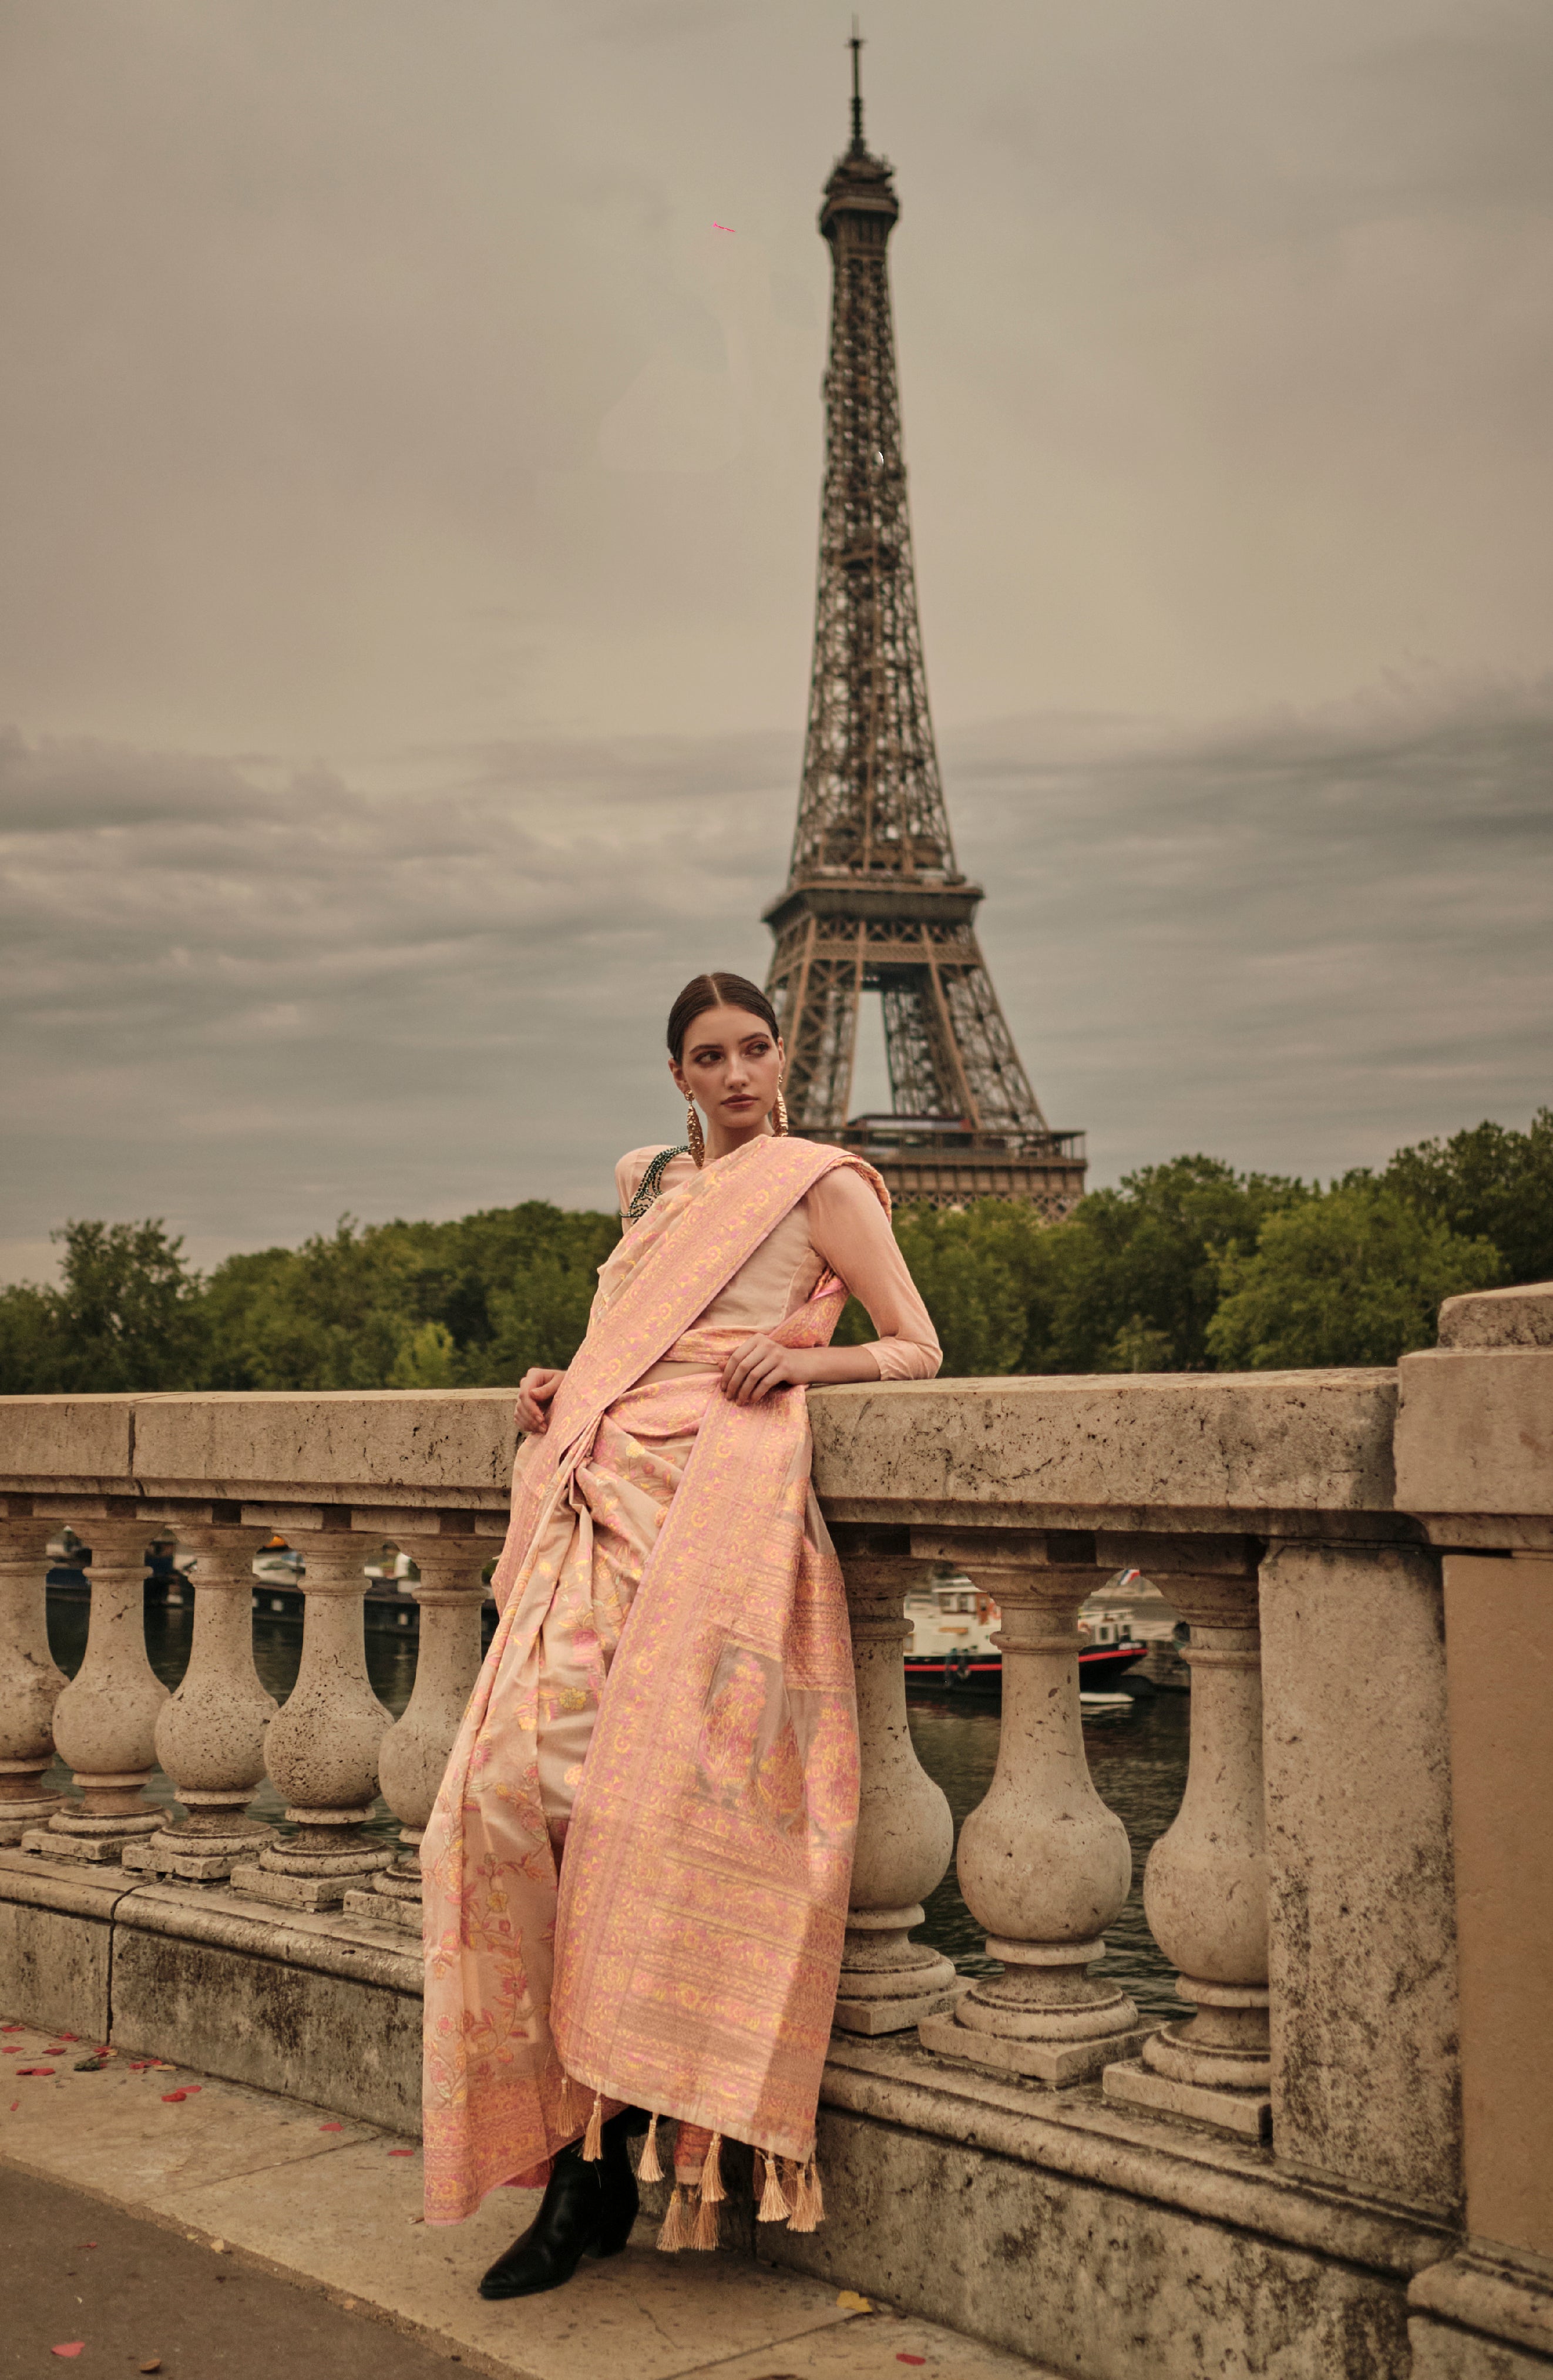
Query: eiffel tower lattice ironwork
point(874, 899)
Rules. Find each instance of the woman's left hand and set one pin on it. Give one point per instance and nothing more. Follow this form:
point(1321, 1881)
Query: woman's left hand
point(760, 1365)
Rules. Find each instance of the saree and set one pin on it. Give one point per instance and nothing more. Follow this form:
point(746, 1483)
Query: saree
point(683, 1955)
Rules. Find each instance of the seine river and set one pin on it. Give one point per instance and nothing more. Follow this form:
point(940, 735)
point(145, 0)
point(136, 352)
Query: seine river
point(1137, 1758)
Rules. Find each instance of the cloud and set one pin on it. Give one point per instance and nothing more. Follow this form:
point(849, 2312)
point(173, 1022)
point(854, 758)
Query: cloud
point(250, 999)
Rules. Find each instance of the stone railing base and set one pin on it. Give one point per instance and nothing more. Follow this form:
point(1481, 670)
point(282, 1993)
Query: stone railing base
point(1056, 2065)
point(389, 1899)
point(1131, 2084)
point(84, 1851)
point(975, 2200)
point(1097, 2241)
point(318, 2006)
point(1483, 2314)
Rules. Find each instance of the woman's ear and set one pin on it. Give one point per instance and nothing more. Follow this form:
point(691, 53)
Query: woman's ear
point(678, 1075)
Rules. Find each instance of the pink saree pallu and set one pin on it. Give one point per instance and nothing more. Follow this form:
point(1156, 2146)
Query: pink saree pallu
point(669, 1696)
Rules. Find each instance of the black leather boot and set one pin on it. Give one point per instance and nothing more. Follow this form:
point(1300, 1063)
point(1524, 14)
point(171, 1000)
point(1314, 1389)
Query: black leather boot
point(588, 2210)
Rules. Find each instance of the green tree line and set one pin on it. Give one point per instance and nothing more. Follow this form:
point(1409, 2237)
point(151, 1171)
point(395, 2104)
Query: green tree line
point(1187, 1266)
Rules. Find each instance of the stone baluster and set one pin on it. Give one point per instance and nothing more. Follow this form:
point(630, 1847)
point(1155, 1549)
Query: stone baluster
point(1206, 1885)
point(209, 1737)
point(905, 1831)
point(1043, 1864)
point(322, 1749)
point(105, 1719)
point(29, 1683)
point(414, 1750)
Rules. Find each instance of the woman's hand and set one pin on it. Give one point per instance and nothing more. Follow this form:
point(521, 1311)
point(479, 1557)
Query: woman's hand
point(534, 1393)
point(761, 1364)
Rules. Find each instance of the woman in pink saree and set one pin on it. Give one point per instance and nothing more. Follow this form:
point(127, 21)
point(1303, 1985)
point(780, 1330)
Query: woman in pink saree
point(637, 1871)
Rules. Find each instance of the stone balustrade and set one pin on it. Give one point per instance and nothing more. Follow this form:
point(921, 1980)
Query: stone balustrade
point(1342, 2148)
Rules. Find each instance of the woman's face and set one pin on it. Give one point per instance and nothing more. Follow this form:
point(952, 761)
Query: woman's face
point(731, 1066)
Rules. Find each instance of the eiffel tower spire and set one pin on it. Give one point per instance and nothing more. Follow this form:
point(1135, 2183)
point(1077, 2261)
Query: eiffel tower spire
point(875, 900)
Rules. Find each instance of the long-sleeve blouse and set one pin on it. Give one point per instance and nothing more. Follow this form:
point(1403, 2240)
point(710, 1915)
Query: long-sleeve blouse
point(841, 1228)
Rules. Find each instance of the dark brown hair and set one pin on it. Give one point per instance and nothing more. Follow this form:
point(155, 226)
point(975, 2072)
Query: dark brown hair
point(704, 991)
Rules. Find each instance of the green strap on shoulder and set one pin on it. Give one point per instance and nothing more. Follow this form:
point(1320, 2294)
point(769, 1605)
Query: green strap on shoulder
point(651, 1184)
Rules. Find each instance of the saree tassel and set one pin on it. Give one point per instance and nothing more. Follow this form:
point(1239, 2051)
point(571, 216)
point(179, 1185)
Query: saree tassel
point(566, 2107)
point(773, 2206)
point(675, 2233)
point(593, 2140)
point(712, 2191)
point(649, 2169)
point(708, 2215)
point(808, 2200)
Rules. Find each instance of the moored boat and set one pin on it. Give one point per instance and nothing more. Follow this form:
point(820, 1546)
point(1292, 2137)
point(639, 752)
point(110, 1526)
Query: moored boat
point(952, 1652)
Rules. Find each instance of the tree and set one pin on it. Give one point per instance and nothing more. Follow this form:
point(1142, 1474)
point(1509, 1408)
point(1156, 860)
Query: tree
point(967, 1271)
point(1131, 1280)
point(1355, 1277)
point(1490, 1183)
point(126, 1314)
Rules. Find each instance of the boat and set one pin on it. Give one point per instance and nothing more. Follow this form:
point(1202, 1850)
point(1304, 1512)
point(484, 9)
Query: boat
point(952, 1652)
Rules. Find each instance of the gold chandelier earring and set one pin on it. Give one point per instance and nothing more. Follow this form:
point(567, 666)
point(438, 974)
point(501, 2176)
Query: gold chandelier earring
point(694, 1134)
point(780, 1111)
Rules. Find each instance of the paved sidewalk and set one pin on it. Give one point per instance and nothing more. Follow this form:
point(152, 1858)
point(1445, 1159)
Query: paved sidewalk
point(127, 2293)
point(246, 2207)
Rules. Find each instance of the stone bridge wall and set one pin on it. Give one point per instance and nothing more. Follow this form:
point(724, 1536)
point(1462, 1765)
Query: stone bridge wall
point(1340, 2162)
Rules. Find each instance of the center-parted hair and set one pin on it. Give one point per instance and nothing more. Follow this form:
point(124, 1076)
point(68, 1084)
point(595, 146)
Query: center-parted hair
point(720, 990)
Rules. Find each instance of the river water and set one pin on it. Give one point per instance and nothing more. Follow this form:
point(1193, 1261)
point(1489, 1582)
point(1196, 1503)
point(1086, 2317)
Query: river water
point(1137, 1758)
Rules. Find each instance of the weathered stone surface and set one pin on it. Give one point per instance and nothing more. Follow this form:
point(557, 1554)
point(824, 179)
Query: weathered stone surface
point(1092, 2281)
point(905, 1834)
point(457, 1442)
point(1230, 1451)
point(54, 1440)
point(1499, 1318)
point(1361, 1915)
point(30, 1682)
point(1134, 2084)
point(1500, 1657)
point(348, 2041)
point(1480, 2316)
point(1475, 1445)
point(1207, 2175)
point(56, 1942)
point(1057, 2065)
point(1442, 2352)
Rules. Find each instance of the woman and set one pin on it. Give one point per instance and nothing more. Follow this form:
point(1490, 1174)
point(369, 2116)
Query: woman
point(637, 1871)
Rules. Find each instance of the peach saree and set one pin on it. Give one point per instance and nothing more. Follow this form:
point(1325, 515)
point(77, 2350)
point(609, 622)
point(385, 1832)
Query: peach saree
point(684, 1954)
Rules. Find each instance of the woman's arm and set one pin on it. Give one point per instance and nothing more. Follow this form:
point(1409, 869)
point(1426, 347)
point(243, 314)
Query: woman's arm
point(850, 1230)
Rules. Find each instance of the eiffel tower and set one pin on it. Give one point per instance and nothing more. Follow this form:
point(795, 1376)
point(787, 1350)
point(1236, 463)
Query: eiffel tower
point(874, 900)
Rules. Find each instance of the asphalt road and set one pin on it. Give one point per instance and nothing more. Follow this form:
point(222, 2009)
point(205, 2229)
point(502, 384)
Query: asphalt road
point(132, 2293)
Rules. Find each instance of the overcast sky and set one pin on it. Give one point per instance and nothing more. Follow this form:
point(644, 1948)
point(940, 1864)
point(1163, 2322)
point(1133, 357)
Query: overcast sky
point(409, 509)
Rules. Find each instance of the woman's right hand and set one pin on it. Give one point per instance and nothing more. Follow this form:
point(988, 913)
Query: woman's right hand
point(534, 1393)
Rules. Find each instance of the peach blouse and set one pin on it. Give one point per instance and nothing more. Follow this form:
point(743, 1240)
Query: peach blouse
point(839, 1228)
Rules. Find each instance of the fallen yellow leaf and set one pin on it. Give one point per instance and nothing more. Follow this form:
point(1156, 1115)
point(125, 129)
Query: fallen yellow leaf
point(852, 2303)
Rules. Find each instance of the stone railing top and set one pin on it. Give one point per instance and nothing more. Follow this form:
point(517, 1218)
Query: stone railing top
point(1499, 1318)
point(1259, 1454)
point(1474, 1423)
point(1276, 1454)
point(406, 1447)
